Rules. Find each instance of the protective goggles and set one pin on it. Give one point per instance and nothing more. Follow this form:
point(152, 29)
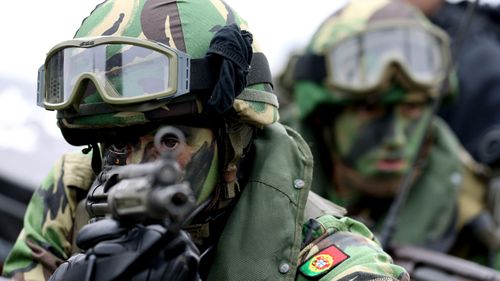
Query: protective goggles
point(366, 60)
point(124, 70)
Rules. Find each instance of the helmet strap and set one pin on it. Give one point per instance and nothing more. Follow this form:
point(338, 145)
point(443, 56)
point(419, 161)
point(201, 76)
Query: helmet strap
point(237, 138)
point(96, 157)
point(233, 140)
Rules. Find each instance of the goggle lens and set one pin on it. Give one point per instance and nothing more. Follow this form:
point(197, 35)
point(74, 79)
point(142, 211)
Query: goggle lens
point(122, 72)
point(358, 62)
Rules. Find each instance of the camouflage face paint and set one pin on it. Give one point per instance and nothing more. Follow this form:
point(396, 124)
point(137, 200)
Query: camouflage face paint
point(379, 140)
point(198, 157)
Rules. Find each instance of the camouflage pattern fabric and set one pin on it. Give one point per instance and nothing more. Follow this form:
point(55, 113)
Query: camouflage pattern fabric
point(352, 18)
point(169, 22)
point(356, 256)
point(253, 245)
point(47, 236)
point(262, 238)
point(357, 16)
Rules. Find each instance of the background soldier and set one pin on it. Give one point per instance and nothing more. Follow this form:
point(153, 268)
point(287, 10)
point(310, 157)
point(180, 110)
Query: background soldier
point(364, 90)
point(250, 175)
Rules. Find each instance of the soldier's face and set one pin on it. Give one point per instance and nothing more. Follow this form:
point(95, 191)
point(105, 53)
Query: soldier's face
point(379, 140)
point(197, 157)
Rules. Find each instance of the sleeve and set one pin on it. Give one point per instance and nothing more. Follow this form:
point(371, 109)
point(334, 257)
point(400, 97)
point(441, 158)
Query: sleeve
point(47, 234)
point(344, 249)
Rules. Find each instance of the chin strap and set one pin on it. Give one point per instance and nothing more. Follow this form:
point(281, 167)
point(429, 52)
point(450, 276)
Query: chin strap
point(96, 157)
point(233, 140)
point(239, 135)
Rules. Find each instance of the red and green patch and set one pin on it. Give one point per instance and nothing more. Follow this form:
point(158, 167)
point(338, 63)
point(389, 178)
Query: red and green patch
point(323, 262)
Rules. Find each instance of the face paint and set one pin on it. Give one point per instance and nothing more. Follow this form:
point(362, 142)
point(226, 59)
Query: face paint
point(379, 140)
point(198, 157)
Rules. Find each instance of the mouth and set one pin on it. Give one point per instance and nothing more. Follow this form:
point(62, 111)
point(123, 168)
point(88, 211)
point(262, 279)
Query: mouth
point(391, 165)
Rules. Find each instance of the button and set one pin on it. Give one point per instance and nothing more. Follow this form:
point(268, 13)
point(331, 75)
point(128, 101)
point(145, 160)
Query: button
point(299, 183)
point(284, 268)
point(456, 178)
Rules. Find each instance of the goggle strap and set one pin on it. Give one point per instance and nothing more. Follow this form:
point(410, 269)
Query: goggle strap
point(310, 67)
point(202, 75)
point(203, 78)
point(259, 70)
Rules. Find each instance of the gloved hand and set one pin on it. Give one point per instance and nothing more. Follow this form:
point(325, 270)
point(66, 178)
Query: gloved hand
point(138, 253)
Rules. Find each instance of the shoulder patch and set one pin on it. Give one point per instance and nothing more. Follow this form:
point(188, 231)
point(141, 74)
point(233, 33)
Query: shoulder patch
point(323, 262)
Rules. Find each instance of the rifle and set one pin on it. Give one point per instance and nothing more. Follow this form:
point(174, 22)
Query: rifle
point(137, 212)
point(141, 193)
point(427, 265)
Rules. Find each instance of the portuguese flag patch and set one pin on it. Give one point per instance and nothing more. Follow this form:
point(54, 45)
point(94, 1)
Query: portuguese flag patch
point(323, 262)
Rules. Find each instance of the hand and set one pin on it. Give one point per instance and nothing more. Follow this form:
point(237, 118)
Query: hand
point(140, 253)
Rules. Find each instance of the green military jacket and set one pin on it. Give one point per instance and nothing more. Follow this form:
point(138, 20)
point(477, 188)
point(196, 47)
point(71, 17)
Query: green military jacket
point(268, 236)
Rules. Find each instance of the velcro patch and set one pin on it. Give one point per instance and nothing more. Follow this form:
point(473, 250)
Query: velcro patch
point(322, 262)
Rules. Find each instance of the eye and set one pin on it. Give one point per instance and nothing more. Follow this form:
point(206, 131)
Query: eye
point(170, 142)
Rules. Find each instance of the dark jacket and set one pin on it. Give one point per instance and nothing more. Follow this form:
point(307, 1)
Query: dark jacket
point(475, 112)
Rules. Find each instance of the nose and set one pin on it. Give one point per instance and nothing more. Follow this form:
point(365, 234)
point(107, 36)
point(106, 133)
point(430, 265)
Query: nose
point(394, 137)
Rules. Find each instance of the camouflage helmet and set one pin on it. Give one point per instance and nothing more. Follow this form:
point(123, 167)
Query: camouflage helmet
point(311, 84)
point(188, 26)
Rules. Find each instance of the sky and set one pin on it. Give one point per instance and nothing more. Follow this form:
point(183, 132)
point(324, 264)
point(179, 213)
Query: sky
point(34, 31)
point(280, 26)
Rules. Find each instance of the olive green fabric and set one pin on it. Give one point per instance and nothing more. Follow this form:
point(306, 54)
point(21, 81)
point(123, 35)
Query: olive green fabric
point(262, 237)
point(265, 227)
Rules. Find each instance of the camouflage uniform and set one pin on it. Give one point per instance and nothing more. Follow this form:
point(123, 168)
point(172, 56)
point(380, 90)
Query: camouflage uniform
point(305, 237)
point(448, 196)
point(243, 255)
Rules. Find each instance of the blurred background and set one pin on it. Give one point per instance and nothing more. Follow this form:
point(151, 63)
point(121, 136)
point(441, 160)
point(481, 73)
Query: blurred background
point(30, 141)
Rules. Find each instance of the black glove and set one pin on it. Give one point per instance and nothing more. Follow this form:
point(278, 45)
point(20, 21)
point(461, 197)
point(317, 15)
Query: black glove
point(139, 253)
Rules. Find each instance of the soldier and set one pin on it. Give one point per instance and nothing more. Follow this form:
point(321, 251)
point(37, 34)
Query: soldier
point(126, 73)
point(364, 90)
